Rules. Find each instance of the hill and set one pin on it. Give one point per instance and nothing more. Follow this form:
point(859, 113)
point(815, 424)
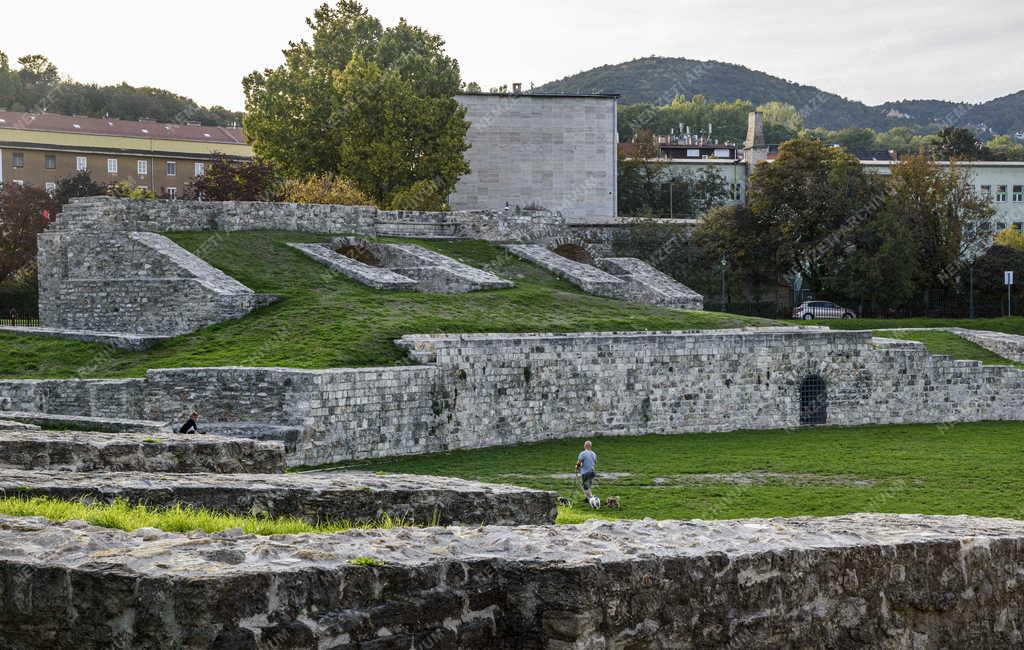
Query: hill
point(657, 80)
point(36, 85)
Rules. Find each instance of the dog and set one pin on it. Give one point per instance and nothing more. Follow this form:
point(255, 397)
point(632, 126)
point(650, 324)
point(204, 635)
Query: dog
point(612, 502)
point(563, 501)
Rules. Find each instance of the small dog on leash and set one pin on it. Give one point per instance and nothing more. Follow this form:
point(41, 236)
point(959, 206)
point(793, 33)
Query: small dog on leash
point(612, 502)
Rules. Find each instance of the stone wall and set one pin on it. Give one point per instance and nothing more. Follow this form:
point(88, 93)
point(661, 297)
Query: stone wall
point(479, 390)
point(555, 151)
point(132, 282)
point(858, 581)
point(107, 214)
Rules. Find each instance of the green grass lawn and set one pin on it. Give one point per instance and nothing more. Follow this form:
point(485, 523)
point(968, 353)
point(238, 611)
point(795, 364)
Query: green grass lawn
point(1007, 324)
point(326, 320)
point(951, 345)
point(178, 519)
point(971, 468)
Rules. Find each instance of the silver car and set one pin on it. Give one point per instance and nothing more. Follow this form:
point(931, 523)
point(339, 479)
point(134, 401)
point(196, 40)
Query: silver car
point(821, 309)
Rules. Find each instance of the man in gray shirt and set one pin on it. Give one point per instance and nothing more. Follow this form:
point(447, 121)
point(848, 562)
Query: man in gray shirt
point(586, 465)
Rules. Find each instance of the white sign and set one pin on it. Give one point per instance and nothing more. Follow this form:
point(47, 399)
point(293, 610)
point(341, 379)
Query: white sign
point(1007, 278)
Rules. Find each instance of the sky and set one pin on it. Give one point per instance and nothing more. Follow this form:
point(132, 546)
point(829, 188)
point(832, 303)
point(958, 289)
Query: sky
point(869, 50)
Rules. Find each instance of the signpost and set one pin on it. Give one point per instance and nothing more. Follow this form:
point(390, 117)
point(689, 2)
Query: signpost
point(1008, 281)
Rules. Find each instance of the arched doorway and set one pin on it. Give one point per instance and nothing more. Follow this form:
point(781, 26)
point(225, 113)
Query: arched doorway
point(813, 400)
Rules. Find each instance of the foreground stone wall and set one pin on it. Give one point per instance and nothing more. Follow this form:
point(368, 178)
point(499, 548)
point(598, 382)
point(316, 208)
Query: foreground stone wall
point(479, 390)
point(859, 581)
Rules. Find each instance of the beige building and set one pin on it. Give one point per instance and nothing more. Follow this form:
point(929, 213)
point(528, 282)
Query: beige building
point(41, 148)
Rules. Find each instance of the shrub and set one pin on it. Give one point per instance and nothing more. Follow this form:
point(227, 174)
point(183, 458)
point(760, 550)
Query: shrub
point(422, 195)
point(235, 180)
point(324, 188)
point(77, 185)
point(123, 190)
point(25, 211)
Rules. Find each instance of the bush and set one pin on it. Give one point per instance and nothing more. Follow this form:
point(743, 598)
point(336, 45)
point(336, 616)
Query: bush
point(235, 180)
point(422, 195)
point(324, 188)
point(24, 213)
point(77, 185)
point(123, 190)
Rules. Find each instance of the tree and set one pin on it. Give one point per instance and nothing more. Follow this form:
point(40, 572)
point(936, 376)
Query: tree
point(25, 211)
point(1010, 238)
point(955, 143)
point(1004, 147)
point(77, 185)
point(37, 69)
point(235, 180)
point(948, 219)
point(375, 105)
point(782, 114)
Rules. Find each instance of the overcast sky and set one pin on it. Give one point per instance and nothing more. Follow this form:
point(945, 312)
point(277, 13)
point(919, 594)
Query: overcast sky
point(869, 50)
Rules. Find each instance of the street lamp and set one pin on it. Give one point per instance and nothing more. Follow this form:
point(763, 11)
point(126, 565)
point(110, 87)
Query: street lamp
point(724, 263)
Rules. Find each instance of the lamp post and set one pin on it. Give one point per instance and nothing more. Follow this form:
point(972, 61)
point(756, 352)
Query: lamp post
point(971, 308)
point(723, 264)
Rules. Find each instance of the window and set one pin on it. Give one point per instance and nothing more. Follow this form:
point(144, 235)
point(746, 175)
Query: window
point(1018, 193)
point(1017, 226)
point(986, 191)
point(200, 169)
point(736, 191)
point(19, 183)
point(172, 193)
point(1000, 225)
point(81, 163)
point(50, 162)
point(1000, 194)
point(143, 167)
point(50, 187)
point(17, 160)
point(111, 165)
point(172, 168)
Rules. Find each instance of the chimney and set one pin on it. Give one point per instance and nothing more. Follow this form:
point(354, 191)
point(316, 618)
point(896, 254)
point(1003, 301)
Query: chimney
point(754, 147)
point(517, 88)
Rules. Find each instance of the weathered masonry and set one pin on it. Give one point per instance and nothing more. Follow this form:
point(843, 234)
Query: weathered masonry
point(479, 390)
point(858, 581)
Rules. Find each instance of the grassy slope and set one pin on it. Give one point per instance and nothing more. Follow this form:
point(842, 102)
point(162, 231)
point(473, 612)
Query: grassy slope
point(326, 320)
point(952, 345)
point(935, 469)
point(1008, 324)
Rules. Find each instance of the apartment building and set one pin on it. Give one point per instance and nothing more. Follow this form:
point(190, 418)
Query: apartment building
point(41, 148)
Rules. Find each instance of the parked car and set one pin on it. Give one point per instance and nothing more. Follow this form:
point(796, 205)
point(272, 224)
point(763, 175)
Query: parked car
point(815, 309)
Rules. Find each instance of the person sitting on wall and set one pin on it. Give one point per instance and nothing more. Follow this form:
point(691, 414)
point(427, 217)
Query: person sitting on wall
point(191, 425)
point(586, 465)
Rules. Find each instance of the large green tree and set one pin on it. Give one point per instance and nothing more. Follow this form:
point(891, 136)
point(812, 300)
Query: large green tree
point(373, 104)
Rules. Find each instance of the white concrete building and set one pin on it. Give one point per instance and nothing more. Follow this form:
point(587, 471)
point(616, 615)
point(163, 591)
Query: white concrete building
point(558, 152)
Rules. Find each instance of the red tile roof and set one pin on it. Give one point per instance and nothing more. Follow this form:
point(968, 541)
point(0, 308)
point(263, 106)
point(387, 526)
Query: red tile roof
point(54, 123)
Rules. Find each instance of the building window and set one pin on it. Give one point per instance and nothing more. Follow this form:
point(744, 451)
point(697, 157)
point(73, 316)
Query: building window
point(50, 162)
point(172, 168)
point(1017, 226)
point(143, 167)
point(986, 191)
point(111, 165)
point(17, 160)
point(50, 187)
point(81, 163)
point(1018, 193)
point(736, 191)
point(1000, 225)
point(172, 193)
point(19, 183)
point(1000, 194)
point(200, 168)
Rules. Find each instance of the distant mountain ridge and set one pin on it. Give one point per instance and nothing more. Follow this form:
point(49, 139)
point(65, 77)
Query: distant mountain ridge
point(657, 80)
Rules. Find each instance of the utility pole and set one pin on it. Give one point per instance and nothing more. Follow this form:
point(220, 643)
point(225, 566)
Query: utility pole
point(971, 308)
point(724, 264)
point(670, 213)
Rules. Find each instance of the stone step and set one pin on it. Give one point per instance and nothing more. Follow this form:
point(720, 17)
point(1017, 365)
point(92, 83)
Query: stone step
point(291, 436)
point(859, 581)
point(86, 423)
point(78, 451)
point(320, 496)
point(651, 285)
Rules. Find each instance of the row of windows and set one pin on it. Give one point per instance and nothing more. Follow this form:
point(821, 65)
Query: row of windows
point(51, 187)
point(82, 164)
point(1001, 193)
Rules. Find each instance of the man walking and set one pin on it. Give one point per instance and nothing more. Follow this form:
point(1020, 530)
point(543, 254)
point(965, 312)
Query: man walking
point(586, 465)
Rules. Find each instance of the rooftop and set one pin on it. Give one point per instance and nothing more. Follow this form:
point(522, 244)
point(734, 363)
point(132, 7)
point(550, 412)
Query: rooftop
point(55, 123)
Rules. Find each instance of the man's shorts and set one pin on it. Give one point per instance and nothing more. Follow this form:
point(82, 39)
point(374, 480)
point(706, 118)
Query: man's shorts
point(586, 479)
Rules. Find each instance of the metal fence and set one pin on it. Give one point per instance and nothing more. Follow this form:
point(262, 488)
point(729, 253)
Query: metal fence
point(19, 322)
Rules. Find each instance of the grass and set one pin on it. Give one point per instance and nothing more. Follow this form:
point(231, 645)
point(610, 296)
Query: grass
point(971, 468)
point(950, 344)
point(325, 320)
point(178, 519)
point(1007, 324)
